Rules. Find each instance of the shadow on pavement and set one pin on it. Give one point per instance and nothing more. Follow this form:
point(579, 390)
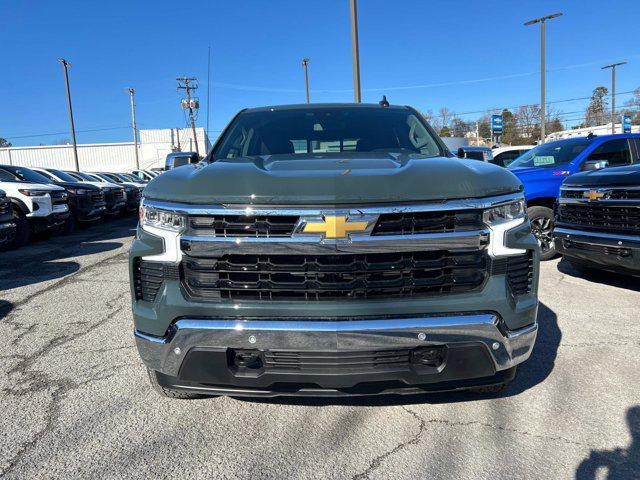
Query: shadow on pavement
point(600, 276)
point(619, 463)
point(532, 372)
point(42, 261)
point(5, 308)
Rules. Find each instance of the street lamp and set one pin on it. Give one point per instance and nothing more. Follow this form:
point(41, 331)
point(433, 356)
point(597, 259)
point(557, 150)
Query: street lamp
point(355, 51)
point(66, 66)
point(305, 63)
point(613, 93)
point(543, 113)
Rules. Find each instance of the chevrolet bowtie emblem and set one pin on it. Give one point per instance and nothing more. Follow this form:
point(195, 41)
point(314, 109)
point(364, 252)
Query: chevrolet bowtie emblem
point(335, 226)
point(592, 194)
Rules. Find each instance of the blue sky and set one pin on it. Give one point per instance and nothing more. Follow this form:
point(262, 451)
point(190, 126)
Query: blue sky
point(445, 51)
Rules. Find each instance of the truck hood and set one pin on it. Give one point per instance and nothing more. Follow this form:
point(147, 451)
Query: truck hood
point(607, 177)
point(314, 179)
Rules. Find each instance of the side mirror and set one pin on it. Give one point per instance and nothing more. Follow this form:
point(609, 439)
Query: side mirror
point(595, 164)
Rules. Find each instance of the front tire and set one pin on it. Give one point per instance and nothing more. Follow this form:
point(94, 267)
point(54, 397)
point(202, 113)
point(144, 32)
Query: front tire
point(168, 392)
point(541, 219)
point(23, 230)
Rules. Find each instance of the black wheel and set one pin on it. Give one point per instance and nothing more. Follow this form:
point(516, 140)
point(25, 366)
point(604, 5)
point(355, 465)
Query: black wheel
point(69, 225)
point(168, 392)
point(23, 230)
point(542, 225)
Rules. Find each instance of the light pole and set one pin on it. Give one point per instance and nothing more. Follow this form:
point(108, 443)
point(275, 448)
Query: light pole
point(355, 51)
point(66, 65)
point(305, 63)
point(135, 129)
point(613, 93)
point(543, 110)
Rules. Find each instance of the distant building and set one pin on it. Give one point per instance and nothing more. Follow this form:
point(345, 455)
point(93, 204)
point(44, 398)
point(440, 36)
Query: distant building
point(153, 147)
point(583, 132)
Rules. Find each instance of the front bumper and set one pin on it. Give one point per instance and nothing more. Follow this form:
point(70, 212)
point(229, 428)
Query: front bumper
point(611, 252)
point(197, 354)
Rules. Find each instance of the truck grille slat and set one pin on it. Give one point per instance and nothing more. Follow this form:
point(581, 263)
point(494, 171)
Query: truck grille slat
point(428, 222)
point(520, 273)
point(600, 217)
point(336, 361)
point(318, 277)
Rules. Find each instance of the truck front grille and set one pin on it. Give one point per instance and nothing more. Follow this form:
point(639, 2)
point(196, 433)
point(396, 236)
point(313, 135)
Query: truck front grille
point(326, 277)
point(97, 197)
point(613, 194)
point(59, 197)
point(271, 226)
point(600, 217)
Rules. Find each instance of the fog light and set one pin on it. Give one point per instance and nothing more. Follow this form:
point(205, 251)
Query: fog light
point(429, 356)
point(248, 359)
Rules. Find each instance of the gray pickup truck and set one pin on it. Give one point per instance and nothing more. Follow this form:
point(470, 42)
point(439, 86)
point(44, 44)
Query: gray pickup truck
point(333, 249)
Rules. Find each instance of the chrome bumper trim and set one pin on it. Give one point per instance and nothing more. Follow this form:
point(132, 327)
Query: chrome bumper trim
point(435, 205)
point(513, 347)
point(597, 238)
point(216, 246)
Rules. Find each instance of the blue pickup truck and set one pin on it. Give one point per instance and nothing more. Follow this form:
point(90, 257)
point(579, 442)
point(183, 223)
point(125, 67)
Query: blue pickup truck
point(543, 169)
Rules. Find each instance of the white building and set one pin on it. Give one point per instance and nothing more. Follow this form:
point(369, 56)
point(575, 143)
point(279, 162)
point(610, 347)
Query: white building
point(153, 147)
point(583, 132)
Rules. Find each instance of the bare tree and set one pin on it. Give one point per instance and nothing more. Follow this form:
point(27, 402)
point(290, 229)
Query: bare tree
point(445, 116)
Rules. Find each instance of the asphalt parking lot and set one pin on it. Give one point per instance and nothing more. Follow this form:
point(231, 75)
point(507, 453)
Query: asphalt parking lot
point(75, 402)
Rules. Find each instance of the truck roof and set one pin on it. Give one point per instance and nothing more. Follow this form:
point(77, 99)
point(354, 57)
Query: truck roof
point(304, 106)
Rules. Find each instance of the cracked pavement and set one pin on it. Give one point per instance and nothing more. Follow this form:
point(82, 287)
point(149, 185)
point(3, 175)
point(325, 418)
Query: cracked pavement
point(75, 401)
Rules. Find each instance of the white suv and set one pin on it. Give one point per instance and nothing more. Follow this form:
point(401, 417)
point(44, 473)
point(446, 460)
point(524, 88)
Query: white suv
point(36, 207)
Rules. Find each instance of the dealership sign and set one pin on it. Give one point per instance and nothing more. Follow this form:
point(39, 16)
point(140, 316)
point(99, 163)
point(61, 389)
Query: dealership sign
point(496, 124)
point(626, 124)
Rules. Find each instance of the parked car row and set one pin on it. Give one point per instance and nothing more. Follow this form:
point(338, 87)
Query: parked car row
point(49, 200)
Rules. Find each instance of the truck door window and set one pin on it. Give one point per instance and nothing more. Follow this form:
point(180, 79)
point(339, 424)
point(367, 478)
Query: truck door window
point(616, 152)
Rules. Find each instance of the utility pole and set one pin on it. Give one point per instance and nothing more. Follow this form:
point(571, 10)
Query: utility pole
point(208, 86)
point(66, 65)
point(613, 93)
point(543, 101)
point(189, 103)
point(135, 130)
point(355, 51)
point(305, 63)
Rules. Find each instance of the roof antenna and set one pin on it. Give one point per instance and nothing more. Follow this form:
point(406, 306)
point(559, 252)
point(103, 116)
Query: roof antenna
point(383, 102)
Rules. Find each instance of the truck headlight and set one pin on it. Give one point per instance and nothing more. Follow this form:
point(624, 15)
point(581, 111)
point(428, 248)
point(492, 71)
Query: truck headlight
point(501, 219)
point(505, 213)
point(33, 192)
point(162, 219)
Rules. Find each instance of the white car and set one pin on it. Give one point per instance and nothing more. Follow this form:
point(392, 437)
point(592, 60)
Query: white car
point(503, 156)
point(36, 207)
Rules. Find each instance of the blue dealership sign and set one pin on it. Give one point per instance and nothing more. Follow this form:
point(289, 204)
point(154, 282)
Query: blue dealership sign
point(496, 123)
point(626, 124)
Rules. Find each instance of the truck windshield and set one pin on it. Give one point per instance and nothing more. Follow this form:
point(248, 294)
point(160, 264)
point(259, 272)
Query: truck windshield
point(318, 130)
point(550, 155)
point(65, 177)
